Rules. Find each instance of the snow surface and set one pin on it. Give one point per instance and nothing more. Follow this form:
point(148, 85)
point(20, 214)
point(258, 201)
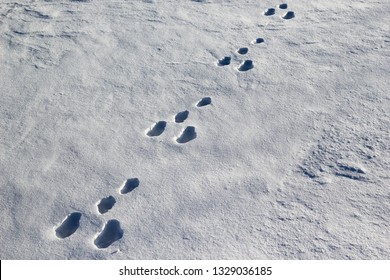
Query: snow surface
point(289, 160)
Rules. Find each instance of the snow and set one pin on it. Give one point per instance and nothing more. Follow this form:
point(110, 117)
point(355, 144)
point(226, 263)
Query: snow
point(205, 129)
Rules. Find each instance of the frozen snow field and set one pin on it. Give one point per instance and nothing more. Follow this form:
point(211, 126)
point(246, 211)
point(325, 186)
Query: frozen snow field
point(184, 129)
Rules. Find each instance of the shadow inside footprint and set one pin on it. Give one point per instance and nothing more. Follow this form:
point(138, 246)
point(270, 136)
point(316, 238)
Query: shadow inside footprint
point(224, 61)
point(187, 135)
point(258, 41)
point(69, 225)
point(289, 15)
point(181, 116)
point(269, 12)
point(246, 65)
point(242, 50)
point(204, 102)
point(111, 232)
point(283, 6)
point(106, 204)
point(129, 185)
point(157, 129)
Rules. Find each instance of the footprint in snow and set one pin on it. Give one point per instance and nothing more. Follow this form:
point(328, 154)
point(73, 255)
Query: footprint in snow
point(283, 6)
point(181, 116)
point(157, 129)
point(289, 15)
point(69, 225)
point(186, 135)
point(129, 185)
point(204, 102)
point(110, 233)
point(105, 204)
point(224, 61)
point(245, 66)
point(242, 51)
point(269, 12)
point(258, 41)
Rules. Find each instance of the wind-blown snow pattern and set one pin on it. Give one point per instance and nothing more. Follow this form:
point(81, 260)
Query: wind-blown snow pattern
point(194, 129)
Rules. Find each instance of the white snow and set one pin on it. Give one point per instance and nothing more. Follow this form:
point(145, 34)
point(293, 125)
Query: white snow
point(290, 160)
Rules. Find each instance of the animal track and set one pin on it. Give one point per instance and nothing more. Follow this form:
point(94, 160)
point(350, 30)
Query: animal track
point(283, 6)
point(246, 65)
point(157, 129)
point(258, 41)
point(224, 61)
point(204, 102)
point(106, 204)
point(242, 50)
point(289, 15)
point(269, 12)
point(129, 185)
point(187, 135)
point(69, 225)
point(110, 233)
point(112, 230)
point(181, 116)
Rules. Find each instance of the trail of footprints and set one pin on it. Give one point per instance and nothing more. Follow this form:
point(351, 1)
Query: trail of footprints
point(111, 231)
point(187, 134)
point(248, 64)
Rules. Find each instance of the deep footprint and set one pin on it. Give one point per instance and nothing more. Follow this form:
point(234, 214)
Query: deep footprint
point(258, 41)
point(111, 232)
point(181, 116)
point(129, 185)
point(246, 65)
point(187, 135)
point(269, 12)
point(283, 6)
point(204, 102)
point(224, 61)
point(69, 225)
point(106, 204)
point(157, 129)
point(289, 15)
point(242, 50)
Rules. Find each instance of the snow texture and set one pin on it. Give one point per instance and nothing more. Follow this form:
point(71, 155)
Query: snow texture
point(184, 129)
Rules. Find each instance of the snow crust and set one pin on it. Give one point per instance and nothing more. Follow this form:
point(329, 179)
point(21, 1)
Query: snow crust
point(105, 103)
